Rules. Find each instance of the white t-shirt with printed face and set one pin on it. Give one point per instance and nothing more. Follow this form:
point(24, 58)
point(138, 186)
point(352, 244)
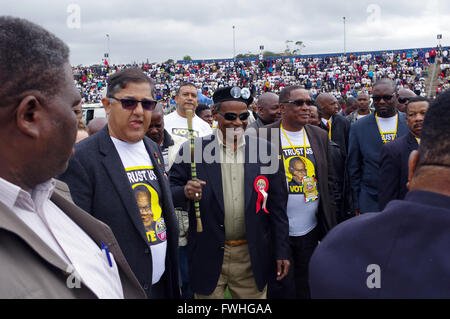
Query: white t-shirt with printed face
point(147, 192)
point(388, 127)
point(301, 214)
point(177, 125)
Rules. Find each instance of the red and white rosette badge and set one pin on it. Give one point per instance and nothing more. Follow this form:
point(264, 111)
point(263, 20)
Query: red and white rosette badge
point(261, 185)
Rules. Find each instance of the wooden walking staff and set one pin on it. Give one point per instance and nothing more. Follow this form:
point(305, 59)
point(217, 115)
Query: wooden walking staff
point(189, 115)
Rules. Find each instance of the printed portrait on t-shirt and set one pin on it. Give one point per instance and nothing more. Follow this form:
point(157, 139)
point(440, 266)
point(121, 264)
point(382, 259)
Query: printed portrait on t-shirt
point(147, 194)
point(297, 167)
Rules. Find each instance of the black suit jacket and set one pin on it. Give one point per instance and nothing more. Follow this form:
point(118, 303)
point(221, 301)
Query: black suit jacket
point(394, 169)
point(266, 233)
point(98, 184)
point(340, 128)
point(363, 160)
point(321, 147)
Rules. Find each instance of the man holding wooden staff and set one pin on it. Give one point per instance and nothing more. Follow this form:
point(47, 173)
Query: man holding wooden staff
point(241, 209)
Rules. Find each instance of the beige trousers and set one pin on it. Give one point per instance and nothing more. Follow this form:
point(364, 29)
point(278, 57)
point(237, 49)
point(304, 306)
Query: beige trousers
point(237, 274)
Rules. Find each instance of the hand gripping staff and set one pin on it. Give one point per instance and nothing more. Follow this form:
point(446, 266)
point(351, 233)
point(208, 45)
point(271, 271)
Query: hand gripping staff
point(189, 115)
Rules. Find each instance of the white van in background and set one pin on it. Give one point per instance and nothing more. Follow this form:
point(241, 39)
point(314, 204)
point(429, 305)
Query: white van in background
point(91, 111)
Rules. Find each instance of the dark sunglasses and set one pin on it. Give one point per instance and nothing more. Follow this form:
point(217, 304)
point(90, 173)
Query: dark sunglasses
point(229, 116)
point(403, 100)
point(384, 97)
point(301, 102)
point(131, 104)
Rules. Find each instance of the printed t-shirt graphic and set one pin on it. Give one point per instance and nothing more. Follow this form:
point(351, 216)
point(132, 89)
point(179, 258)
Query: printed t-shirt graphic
point(387, 127)
point(145, 189)
point(299, 165)
point(177, 125)
point(144, 184)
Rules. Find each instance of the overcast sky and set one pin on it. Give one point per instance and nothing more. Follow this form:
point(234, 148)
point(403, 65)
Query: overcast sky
point(161, 29)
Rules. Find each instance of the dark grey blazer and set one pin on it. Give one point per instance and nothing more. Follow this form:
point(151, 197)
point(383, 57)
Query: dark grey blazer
point(31, 269)
point(98, 184)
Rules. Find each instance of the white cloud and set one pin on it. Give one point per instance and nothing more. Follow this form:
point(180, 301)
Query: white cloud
point(162, 29)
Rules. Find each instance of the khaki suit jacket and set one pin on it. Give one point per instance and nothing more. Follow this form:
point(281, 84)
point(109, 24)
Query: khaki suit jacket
point(30, 269)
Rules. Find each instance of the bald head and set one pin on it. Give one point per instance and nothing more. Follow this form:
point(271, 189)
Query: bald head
point(406, 93)
point(158, 109)
point(403, 96)
point(96, 125)
point(268, 107)
point(328, 104)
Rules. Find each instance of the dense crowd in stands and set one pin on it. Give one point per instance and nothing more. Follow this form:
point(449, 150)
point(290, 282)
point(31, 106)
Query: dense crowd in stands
point(339, 75)
point(305, 202)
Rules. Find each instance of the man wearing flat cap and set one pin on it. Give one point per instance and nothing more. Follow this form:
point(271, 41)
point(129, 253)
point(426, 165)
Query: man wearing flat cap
point(241, 211)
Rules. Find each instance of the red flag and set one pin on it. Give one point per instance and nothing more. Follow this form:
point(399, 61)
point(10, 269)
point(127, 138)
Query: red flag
point(106, 62)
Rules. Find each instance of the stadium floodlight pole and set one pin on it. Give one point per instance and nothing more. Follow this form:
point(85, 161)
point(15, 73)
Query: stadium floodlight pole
point(107, 47)
point(345, 50)
point(234, 45)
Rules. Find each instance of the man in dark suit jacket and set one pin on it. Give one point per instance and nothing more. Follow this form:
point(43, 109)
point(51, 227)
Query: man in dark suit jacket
point(113, 168)
point(258, 224)
point(365, 144)
point(45, 240)
point(340, 126)
point(295, 119)
point(395, 155)
point(268, 110)
point(402, 252)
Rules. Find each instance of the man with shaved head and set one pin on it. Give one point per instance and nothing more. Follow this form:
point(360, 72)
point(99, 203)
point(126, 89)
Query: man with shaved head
point(403, 97)
point(96, 125)
point(307, 186)
point(168, 144)
point(268, 110)
point(338, 128)
point(336, 125)
point(367, 136)
point(363, 100)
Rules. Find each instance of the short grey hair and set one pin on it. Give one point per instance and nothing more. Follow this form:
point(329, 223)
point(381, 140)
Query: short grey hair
point(31, 58)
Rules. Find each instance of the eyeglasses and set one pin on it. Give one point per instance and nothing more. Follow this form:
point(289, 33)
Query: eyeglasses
point(384, 97)
point(229, 116)
point(403, 100)
point(301, 102)
point(131, 104)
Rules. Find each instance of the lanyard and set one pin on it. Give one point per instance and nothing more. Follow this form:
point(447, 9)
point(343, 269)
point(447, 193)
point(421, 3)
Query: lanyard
point(329, 128)
point(304, 141)
point(381, 133)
